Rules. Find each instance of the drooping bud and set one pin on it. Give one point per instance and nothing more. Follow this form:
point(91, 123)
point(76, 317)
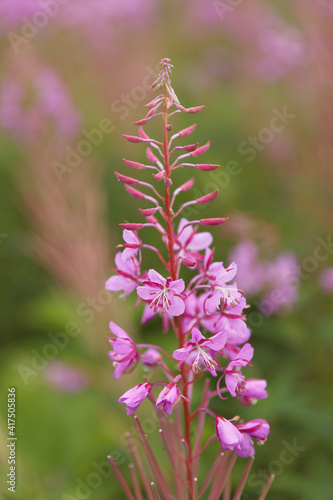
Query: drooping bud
point(187, 185)
point(133, 138)
point(208, 197)
point(191, 147)
point(133, 164)
point(131, 226)
point(186, 131)
point(135, 193)
point(159, 176)
point(201, 150)
point(146, 212)
point(213, 222)
point(125, 179)
point(143, 134)
point(206, 167)
point(196, 109)
point(189, 263)
point(151, 157)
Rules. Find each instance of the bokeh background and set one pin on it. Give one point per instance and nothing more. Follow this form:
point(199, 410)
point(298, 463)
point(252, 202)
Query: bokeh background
point(80, 70)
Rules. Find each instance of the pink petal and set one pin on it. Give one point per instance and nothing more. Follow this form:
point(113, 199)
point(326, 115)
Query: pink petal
point(177, 285)
point(217, 342)
point(156, 277)
point(177, 307)
point(117, 331)
point(245, 448)
point(200, 241)
point(196, 335)
point(181, 354)
point(146, 292)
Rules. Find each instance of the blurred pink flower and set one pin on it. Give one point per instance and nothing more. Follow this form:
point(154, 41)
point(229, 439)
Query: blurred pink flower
point(326, 280)
point(65, 378)
point(30, 106)
point(250, 276)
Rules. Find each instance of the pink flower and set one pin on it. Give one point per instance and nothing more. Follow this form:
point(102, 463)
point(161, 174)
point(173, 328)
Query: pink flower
point(197, 346)
point(228, 434)
point(169, 397)
point(233, 378)
point(258, 429)
point(132, 244)
point(151, 358)
point(238, 438)
point(134, 397)
point(124, 355)
point(231, 320)
point(163, 294)
point(229, 295)
point(128, 275)
point(188, 242)
point(326, 280)
point(253, 389)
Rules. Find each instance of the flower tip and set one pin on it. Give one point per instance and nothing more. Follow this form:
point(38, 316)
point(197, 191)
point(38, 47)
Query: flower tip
point(141, 122)
point(159, 176)
point(147, 212)
point(201, 150)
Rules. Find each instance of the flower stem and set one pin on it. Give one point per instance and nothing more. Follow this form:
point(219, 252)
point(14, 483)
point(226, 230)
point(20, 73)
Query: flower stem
point(173, 272)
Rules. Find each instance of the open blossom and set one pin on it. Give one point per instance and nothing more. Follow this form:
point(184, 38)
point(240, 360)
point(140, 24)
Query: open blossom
point(169, 396)
point(196, 346)
point(163, 294)
point(231, 320)
point(134, 397)
point(221, 292)
point(124, 355)
point(128, 275)
point(233, 378)
point(238, 438)
point(188, 242)
point(132, 244)
point(252, 390)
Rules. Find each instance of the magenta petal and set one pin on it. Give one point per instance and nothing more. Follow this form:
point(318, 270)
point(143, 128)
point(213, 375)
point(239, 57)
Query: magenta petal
point(117, 331)
point(196, 335)
point(200, 241)
point(213, 301)
point(177, 286)
point(156, 277)
point(181, 354)
point(245, 448)
point(217, 342)
point(147, 292)
point(228, 435)
point(177, 307)
point(231, 383)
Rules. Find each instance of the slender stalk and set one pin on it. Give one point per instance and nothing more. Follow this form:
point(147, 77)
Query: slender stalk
point(121, 479)
point(173, 272)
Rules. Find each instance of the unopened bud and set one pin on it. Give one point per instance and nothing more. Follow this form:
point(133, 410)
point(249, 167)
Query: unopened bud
point(186, 131)
point(191, 147)
point(201, 150)
point(208, 197)
point(133, 164)
point(206, 167)
point(146, 212)
point(132, 138)
point(212, 222)
point(135, 193)
point(131, 226)
point(125, 179)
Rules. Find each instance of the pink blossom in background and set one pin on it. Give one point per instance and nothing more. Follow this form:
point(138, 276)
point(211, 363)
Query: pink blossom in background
point(124, 354)
point(282, 280)
point(250, 276)
point(326, 280)
point(38, 104)
point(277, 280)
point(65, 378)
point(94, 19)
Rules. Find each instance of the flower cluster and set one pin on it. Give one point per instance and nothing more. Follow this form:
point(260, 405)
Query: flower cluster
point(206, 314)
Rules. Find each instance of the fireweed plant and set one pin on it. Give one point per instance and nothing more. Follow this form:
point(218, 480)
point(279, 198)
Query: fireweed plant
point(206, 316)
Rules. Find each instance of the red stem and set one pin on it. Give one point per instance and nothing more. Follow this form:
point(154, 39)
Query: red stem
point(173, 272)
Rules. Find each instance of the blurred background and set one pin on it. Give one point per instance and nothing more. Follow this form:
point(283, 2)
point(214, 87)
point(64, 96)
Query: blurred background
point(74, 75)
